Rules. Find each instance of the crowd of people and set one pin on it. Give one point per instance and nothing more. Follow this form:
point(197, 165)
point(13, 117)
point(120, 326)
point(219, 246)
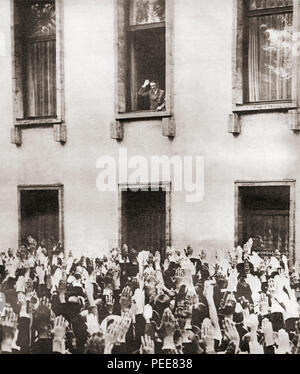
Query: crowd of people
point(139, 303)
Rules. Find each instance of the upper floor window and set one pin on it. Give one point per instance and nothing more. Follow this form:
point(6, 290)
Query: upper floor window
point(35, 24)
point(146, 33)
point(142, 55)
point(268, 47)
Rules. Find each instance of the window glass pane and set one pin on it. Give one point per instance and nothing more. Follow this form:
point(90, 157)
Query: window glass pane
point(270, 57)
point(41, 19)
point(265, 4)
point(146, 11)
point(41, 78)
point(39, 43)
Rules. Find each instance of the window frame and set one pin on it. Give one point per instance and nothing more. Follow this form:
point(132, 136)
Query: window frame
point(19, 120)
point(257, 13)
point(44, 187)
point(122, 46)
point(166, 186)
point(292, 217)
point(239, 104)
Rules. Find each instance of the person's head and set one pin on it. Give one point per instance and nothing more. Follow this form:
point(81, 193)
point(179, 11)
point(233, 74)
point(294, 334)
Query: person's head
point(189, 251)
point(161, 303)
point(124, 250)
point(132, 254)
point(95, 344)
point(73, 306)
point(10, 252)
point(150, 258)
point(154, 85)
point(41, 319)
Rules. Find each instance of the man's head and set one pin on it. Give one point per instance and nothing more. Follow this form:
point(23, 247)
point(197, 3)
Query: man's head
point(189, 250)
point(154, 85)
point(10, 252)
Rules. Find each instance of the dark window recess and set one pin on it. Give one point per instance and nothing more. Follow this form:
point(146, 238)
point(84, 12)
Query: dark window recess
point(147, 62)
point(264, 216)
point(144, 220)
point(40, 215)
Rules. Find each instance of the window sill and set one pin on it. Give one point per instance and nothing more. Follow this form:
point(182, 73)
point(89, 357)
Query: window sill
point(268, 107)
point(142, 115)
point(38, 122)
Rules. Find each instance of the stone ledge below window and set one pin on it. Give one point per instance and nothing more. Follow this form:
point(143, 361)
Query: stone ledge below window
point(34, 122)
point(59, 129)
point(261, 107)
point(168, 124)
point(142, 115)
point(234, 125)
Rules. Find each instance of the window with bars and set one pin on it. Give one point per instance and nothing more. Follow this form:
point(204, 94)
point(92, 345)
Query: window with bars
point(268, 50)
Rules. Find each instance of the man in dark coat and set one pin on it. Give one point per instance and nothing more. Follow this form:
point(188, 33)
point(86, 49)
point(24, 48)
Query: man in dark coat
point(155, 94)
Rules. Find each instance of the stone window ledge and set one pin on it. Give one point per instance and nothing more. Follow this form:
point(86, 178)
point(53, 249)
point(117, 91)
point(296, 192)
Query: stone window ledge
point(264, 107)
point(35, 122)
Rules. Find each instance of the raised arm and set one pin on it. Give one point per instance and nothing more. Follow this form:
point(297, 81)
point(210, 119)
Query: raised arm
point(144, 90)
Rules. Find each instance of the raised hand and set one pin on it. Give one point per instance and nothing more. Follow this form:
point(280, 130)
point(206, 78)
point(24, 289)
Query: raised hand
point(207, 335)
point(268, 332)
point(9, 318)
point(40, 272)
point(283, 342)
point(92, 324)
point(148, 312)
point(9, 329)
point(179, 276)
point(231, 333)
point(139, 297)
point(253, 323)
point(146, 83)
point(147, 346)
point(116, 332)
point(62, 287)
point(59, 328)
point(57, 277)
point(45, 302)
point(168, 322)
point(264, 304)
point(109, 303)
point(125, 299)
point(254, 346)
point(232, 281)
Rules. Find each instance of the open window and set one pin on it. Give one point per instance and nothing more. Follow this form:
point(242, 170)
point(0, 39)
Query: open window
point(265, 213)
point(41, 213)
point(144, 220)
point(143, 54)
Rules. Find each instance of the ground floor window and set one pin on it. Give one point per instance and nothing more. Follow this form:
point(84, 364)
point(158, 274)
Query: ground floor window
point(145, 219)
point(40, 214)
point(265, 212)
